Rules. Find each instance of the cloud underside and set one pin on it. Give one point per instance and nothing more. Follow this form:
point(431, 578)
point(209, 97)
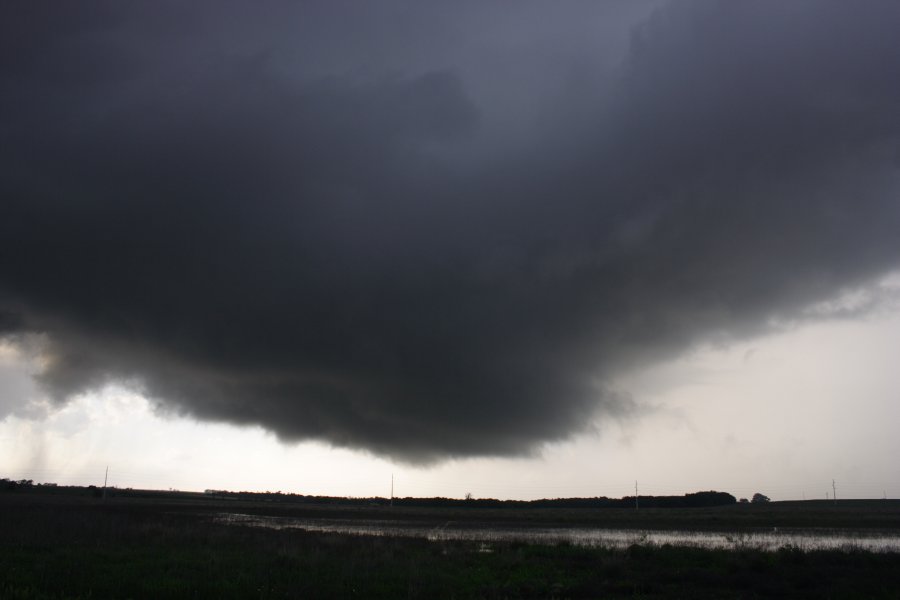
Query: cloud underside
point(363, 257)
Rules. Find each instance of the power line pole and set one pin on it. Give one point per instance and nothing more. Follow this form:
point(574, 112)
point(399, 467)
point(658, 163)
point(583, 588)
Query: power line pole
point(392, 489)
point(635, 495)
point(834, 492)
point(105, 479)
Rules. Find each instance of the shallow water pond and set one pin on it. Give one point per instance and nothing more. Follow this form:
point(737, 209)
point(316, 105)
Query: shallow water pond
point(804, 539)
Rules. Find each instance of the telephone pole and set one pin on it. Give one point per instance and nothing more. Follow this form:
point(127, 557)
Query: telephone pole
point(635, 495)
point(834, 492)
point(105, 479)
point(392, 489)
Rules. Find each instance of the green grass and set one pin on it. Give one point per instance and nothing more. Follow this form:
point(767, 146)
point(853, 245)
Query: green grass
point(90, 549)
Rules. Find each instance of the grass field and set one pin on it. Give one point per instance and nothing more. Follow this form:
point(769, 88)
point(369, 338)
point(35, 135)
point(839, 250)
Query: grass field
point(63, 546)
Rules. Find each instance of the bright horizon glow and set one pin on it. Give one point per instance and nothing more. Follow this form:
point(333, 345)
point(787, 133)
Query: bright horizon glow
point(631, 240)
point(781, 415)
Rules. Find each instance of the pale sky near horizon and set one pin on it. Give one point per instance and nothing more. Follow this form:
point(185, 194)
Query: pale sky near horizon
point(526, 252)
point(781, 415)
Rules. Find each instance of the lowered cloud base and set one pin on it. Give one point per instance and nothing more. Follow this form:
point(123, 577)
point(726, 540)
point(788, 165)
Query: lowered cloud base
point(432, 237)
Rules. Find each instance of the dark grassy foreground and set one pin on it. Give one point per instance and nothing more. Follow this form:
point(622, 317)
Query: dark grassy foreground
point(84, 548)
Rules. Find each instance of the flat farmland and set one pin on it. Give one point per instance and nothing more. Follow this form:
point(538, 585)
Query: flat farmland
point(65, 545)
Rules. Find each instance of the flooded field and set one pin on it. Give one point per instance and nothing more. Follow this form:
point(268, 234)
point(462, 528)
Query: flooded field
point(185, 548)
point(767, 540)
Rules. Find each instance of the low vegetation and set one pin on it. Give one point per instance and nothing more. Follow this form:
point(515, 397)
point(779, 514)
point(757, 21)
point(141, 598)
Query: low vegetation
point(57, 546)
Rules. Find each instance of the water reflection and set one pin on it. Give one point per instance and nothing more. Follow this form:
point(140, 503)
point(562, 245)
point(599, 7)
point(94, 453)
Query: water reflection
point(803, 539)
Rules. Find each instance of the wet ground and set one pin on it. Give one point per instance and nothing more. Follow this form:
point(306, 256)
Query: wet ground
point(763, 539)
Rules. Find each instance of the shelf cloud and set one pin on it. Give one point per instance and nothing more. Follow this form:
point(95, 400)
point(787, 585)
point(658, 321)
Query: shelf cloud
point(432, 231)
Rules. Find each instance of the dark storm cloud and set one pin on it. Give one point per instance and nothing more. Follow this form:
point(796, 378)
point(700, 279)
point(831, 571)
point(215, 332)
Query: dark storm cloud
point(430, 231)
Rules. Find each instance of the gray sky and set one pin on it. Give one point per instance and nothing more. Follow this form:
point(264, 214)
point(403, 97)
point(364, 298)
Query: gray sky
point(427, 232)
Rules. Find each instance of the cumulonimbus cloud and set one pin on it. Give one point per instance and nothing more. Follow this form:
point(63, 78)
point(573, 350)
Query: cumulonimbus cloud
point(335, 255)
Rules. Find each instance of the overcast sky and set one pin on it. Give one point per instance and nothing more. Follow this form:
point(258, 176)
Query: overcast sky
point(533, 250)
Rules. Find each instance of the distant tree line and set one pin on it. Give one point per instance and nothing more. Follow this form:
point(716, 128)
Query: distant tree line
point(10, 485)
point(694, 500)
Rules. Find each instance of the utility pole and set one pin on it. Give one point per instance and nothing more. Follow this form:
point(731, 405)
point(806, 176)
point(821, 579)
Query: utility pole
point(635, 495)
point(392, 489)
point(105, 479)
point(834, 492)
